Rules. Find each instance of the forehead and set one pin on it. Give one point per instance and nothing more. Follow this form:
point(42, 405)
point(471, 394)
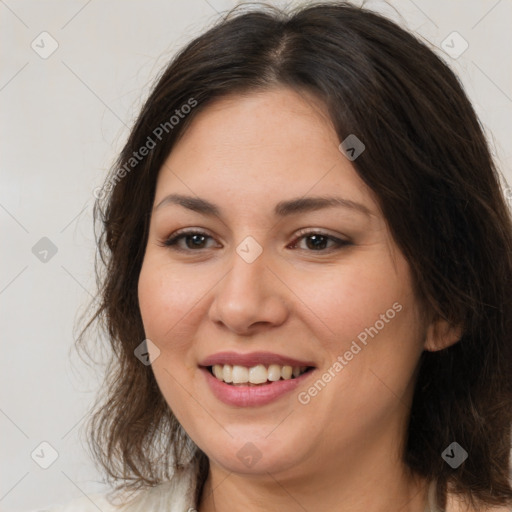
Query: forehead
point(273, 144)
point(255, 120)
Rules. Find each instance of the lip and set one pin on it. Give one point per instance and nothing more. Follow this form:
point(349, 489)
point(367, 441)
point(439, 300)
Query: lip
point(251, 396)
point(252, 359)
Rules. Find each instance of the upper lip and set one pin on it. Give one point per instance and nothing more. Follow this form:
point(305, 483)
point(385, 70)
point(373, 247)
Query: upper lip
point(252, 359)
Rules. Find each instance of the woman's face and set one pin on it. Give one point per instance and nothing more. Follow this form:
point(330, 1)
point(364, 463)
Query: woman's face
point(276, 278)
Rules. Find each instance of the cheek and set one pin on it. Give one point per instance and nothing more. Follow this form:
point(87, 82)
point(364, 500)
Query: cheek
point(370, 318)
point(166, 309)
point(164, 302)
point(351, 299)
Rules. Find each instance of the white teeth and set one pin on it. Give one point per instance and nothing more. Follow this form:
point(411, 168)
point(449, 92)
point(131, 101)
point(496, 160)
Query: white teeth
point(258, 374)
point(227, 373)
point(240, 374)
point(274, 372)
point(217, 371)
point(286, 372)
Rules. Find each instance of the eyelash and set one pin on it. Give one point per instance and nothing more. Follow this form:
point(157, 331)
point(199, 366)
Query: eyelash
point(173, 240)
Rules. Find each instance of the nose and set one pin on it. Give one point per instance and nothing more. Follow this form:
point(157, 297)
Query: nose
point(250, 297)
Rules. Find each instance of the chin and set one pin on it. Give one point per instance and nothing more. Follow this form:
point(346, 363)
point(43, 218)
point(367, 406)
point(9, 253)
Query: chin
point(254, 455)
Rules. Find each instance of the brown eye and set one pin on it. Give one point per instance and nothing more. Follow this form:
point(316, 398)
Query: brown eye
point(318, 241)
point(194, 240)
point(315, 241)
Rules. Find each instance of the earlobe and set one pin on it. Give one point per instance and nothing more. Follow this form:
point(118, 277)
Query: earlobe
point(441, 334)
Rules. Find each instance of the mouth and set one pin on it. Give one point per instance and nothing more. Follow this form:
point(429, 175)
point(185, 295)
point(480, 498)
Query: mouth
point(258, 375)
point(254, 379)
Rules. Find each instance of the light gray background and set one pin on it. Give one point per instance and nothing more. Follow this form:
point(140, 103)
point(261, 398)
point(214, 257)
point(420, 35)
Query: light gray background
point(63, 120)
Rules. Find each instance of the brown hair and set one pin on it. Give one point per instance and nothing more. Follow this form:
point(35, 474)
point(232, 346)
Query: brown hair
point(428, 162)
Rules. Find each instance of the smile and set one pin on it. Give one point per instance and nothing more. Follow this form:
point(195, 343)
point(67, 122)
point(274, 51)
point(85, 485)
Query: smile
point(253, 379)
point(258, 375)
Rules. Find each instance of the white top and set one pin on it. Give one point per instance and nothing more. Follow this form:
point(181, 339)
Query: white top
point(175, 495)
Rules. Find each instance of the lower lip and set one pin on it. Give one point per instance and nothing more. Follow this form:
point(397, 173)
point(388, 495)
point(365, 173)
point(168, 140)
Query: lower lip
point(249, 396)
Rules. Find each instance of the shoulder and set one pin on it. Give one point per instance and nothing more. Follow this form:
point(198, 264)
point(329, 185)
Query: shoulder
point(456, 504)
point(83, 504)
point(466, 508)
point(174, 495)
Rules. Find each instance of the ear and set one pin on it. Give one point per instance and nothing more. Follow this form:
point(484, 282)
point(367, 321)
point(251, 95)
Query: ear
point(441, 334)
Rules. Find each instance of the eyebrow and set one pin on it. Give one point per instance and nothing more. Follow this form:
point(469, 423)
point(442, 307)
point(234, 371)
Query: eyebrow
point(282, 209)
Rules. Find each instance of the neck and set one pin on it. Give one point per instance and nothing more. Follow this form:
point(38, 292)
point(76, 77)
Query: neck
point(361, 482)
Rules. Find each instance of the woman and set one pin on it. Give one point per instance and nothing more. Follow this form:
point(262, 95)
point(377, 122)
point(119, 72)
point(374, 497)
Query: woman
point(307, 279)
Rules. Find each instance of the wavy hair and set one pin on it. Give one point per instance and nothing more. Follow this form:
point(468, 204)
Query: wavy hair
point(429, 164)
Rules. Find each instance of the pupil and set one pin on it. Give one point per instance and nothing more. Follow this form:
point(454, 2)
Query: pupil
point(318, 241)
point(196, 238)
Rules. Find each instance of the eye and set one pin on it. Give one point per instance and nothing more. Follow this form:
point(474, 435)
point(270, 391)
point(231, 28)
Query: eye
point(316, 241)
point(195, 240)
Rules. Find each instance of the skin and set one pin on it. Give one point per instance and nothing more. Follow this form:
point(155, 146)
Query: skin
point(245, 154)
